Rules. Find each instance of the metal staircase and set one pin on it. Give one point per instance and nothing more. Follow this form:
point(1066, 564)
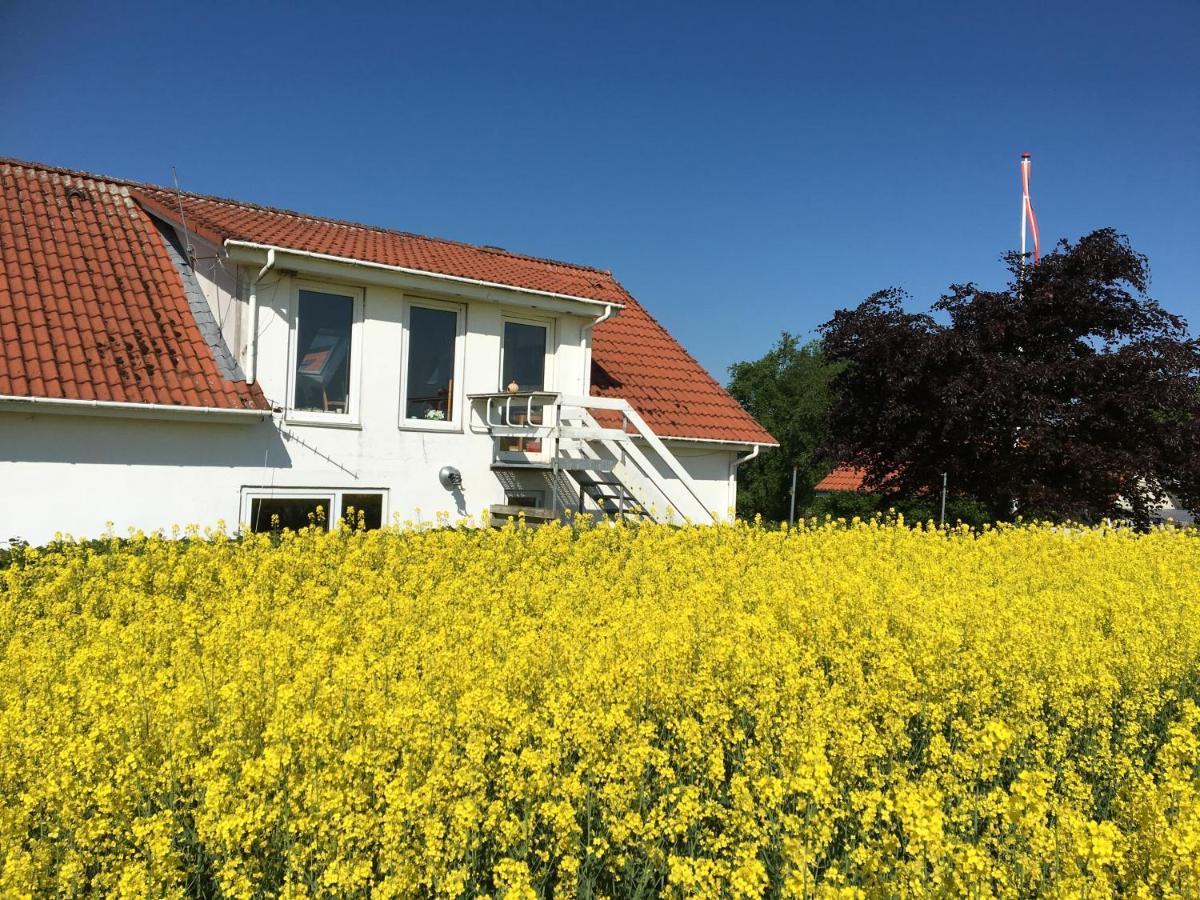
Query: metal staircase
point(589, 455)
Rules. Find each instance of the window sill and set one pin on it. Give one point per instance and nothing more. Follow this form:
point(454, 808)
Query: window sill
point(431, 426)
point(321, 421)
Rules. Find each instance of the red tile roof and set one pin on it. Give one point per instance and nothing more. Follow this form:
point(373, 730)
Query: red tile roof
point(91, 305)
point(843, 478)
point(215, 217)
point(634, 356)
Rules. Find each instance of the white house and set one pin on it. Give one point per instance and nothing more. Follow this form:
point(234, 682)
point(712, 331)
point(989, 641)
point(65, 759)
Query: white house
point(173, 359)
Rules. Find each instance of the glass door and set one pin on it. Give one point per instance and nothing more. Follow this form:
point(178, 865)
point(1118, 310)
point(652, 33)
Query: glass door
point(523, 351)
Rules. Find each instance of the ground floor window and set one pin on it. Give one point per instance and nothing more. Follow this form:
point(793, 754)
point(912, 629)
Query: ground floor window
point(362, 510)
point(275, 509)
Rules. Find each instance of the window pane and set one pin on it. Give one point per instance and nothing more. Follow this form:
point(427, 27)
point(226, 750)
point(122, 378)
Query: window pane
point(364, 509)
point(274, 513)
point(524, 357)
point(529, 500)
point(429, 387)
point(323, 352)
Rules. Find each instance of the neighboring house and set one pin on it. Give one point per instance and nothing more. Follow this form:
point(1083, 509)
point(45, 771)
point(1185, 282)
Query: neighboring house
point(171, 358)
point(843, 478)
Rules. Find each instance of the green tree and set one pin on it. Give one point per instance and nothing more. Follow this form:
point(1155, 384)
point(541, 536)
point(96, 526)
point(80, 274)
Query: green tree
point(788, 391)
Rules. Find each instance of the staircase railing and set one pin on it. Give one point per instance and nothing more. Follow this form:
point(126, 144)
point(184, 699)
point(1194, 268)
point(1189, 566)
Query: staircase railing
point(680, 493)
point(567, 420)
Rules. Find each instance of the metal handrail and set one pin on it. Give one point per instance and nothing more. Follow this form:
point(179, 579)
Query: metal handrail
point(641, 429)
point(631, 417)
point(498, 413)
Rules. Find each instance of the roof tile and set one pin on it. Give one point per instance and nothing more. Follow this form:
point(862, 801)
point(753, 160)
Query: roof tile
point(92, 275)
point(843, 478)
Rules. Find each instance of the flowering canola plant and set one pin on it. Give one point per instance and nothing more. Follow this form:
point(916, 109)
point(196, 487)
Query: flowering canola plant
point(861, 710)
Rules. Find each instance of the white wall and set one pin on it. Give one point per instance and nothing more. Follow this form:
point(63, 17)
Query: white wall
point(77, 474)
point(709, 465)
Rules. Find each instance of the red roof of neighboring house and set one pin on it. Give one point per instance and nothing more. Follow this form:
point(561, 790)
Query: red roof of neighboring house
point(633, 356)
point(91, 304)
point(843, 478)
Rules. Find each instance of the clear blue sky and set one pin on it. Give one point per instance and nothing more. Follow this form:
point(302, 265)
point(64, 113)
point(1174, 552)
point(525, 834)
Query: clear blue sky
point(743, 169)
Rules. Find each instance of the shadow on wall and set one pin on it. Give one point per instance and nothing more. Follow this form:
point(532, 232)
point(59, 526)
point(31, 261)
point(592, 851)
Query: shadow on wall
point(93, 440)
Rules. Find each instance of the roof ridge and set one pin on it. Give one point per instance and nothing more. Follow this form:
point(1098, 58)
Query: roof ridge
point(312, 217)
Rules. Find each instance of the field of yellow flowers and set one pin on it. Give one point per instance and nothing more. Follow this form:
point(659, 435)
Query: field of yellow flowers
point(837, 711)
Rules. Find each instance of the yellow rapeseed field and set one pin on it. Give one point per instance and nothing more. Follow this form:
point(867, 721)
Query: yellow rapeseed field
point(855, 711)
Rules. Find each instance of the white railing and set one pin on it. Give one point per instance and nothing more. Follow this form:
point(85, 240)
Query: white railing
point(565, 424)
point(515, 410)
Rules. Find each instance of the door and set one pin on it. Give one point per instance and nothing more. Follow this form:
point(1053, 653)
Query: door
point(524, 349)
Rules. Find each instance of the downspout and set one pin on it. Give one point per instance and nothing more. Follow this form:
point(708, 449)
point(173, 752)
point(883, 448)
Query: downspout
point(585, 379)
point(733, 467)
point(252, 348)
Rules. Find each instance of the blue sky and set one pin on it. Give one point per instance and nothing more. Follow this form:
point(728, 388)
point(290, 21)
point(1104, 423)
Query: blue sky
point(742, 169)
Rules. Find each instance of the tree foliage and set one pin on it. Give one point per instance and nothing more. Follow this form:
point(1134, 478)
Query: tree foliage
point(1069, 394)
point(788, 391)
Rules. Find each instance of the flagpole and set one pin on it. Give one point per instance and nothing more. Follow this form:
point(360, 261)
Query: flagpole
point(1024, 203)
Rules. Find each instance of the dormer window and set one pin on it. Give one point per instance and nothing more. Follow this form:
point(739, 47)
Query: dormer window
point(325, 353)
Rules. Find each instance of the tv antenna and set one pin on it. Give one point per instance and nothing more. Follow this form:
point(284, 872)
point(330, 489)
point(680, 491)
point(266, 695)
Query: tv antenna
point(190, 252)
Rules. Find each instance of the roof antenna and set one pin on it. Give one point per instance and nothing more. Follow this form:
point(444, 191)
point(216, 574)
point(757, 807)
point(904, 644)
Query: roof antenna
point(187, 238)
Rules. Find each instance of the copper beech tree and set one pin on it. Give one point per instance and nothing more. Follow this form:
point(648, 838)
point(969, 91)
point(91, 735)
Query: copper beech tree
point(1071, 394)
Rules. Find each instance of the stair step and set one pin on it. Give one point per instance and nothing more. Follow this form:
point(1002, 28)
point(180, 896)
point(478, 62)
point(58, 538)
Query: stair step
point(531, 513)
point(586, 464)
point(599, 495)
point(563, 464)
point(533, 432)
point(594, 434)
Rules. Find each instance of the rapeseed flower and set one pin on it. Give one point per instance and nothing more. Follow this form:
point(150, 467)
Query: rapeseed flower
point(839, 710)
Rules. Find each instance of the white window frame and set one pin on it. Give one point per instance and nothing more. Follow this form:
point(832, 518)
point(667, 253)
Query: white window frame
point(548, 324)
point(250, 493)
point(454, 424)
point(351, 417)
